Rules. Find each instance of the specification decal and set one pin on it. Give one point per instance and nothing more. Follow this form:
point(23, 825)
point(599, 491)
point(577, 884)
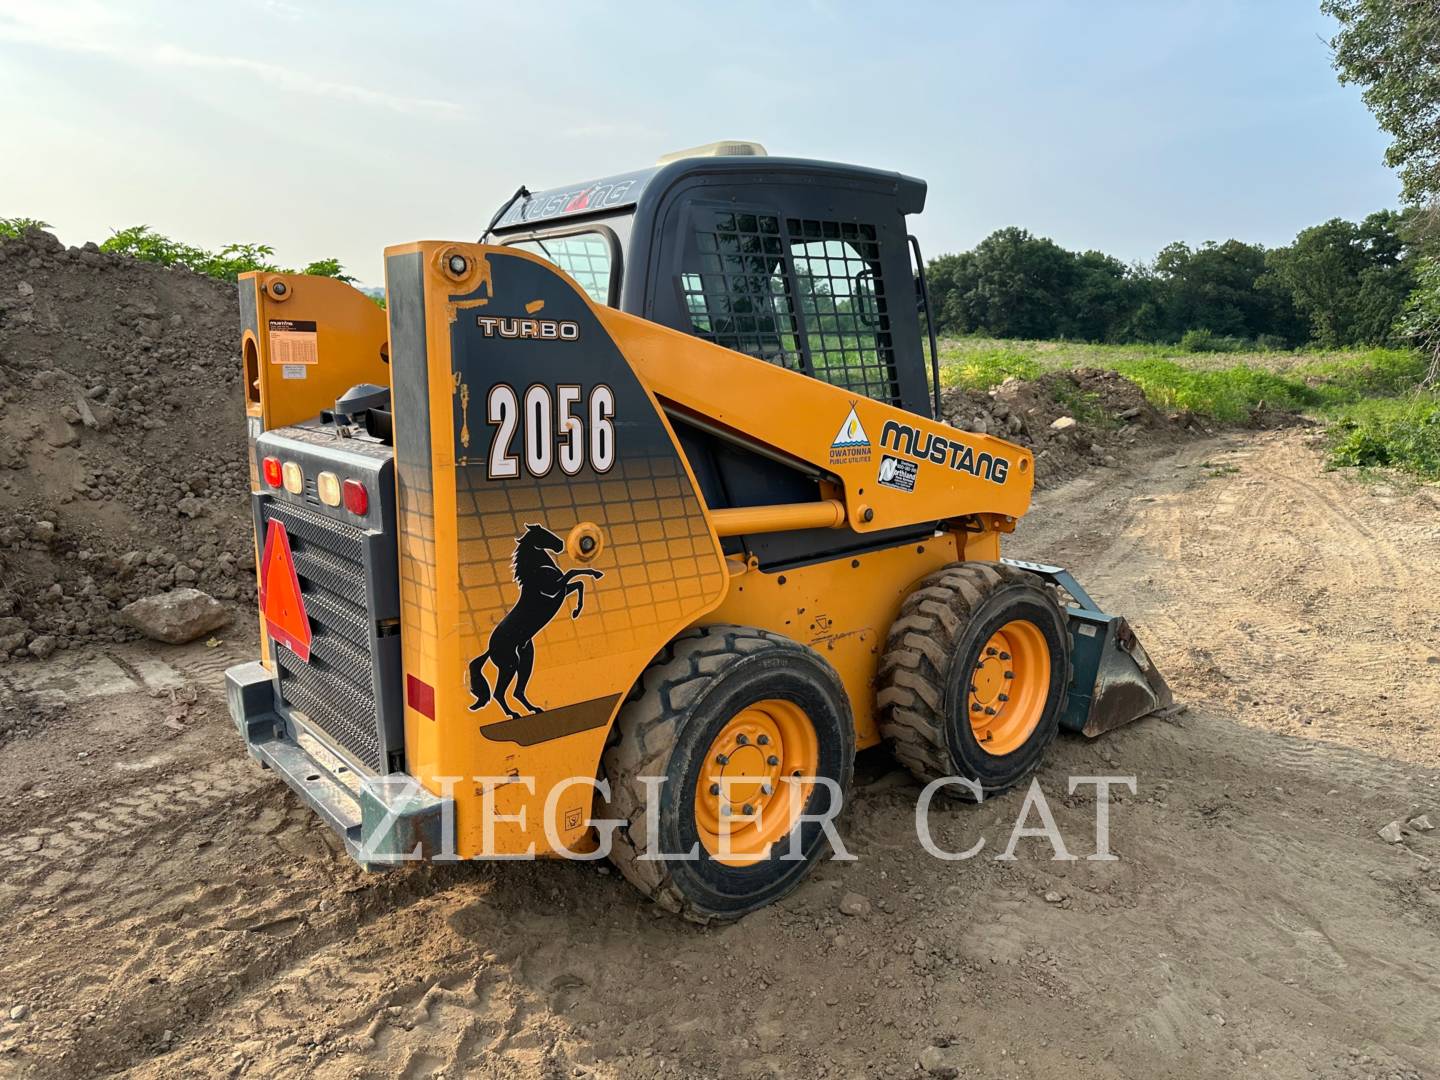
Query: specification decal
point(293, 341)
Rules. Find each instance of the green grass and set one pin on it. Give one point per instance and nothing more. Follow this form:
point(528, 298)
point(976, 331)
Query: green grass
point(1397, 433)
point(1369, 399)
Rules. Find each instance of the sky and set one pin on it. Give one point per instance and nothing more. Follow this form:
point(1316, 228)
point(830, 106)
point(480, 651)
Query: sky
point(336, 128)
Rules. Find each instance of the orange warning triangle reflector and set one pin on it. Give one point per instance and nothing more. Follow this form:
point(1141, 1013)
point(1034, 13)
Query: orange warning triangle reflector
point(280, 599)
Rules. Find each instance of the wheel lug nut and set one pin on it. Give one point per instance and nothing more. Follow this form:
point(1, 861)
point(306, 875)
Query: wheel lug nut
point(762, 740)
point(989, 711)
point(1004, 656)
point(714, 789)
point(722, 759)
point(742, 739)
point(976, 707)
point(772, 760)
point(749, 809)
point(1003, 697)
point(1009, 674)
point(989, 652)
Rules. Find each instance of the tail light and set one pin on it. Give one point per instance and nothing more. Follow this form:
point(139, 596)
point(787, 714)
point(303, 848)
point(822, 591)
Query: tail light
point(327, 487)
point(271, 468)
point(357, 499)
point(293, 477)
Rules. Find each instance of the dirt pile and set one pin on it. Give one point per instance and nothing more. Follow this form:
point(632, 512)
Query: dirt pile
point(122, 442)
point(1072, 420)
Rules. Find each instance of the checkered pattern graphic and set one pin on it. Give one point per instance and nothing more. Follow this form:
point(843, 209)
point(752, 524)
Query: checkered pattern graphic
point(658, 557)
point(417, 569)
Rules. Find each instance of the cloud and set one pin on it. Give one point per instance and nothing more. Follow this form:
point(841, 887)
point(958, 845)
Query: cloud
point(88, 28)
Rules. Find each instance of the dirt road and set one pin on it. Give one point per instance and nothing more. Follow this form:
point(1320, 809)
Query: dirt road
point(170, 910)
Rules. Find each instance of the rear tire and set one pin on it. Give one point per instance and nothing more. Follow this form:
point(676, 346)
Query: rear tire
point(952, 699)
point(721, 683)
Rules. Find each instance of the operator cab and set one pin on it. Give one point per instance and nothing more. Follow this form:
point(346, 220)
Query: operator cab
point(805, 264)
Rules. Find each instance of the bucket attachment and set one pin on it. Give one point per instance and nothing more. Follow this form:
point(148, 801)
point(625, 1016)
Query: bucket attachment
point(1112, 679)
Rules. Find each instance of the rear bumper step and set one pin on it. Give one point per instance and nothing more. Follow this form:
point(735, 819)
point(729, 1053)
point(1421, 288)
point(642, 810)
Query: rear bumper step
point(384, 821)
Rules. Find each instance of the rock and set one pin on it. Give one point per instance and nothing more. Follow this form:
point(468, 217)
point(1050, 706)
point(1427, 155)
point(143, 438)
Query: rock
point(941, 1061)
point(1053, 897)
point(58, 433)
point(1432, 659)
point(25, 289)
point(1129, 414)
point(1062, 423)
point(42, 647)
point(69, 414)
point(1421, 823)
point(1013, 424)
point(177, 616)
point(10, 642)
point(190, 506)
point(87, 417)
point(854, 904)
point(1391, 833)
point(19, 1012)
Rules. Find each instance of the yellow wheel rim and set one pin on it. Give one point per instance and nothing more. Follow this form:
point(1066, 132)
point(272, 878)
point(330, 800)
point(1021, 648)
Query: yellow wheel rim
point(1009, 687)
point(750, 790)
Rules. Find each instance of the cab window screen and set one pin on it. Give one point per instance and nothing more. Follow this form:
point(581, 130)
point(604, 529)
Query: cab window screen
point(801, 293)
point(584, 256)
point(842, 299)
point(737, 291)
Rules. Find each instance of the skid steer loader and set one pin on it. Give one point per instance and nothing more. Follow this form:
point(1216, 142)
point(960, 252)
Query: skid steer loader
point(639, 519)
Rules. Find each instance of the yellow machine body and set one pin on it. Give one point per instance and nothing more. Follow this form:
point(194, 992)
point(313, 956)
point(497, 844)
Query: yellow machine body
point(473, 475)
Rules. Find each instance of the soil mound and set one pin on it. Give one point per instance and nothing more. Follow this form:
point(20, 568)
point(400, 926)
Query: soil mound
point(122, 442)
point(1072, 420)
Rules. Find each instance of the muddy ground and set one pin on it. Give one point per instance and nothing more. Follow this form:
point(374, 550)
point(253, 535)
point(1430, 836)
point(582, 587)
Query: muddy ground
point(171, 911)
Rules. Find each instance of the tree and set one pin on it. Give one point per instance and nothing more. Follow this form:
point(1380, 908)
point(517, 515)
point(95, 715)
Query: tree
point(1392, 49)
point(1021, 285)
point(1350, 281)
point(1219, 288)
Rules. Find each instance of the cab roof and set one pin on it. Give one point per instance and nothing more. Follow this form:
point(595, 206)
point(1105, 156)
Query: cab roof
point(628, 190)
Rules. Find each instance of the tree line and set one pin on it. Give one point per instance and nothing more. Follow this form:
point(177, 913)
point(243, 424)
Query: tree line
point(1338, 284)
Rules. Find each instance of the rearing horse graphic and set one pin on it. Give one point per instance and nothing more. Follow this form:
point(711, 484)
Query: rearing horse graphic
point(543, 588)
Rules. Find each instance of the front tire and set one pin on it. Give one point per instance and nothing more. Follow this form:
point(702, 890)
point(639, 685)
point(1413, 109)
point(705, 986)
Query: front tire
point(975, 675)
point(731, 717)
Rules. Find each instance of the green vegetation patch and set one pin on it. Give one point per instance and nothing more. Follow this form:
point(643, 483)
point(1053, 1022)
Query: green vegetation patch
point(1396, 433)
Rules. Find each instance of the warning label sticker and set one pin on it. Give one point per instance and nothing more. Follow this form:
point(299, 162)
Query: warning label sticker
point(293, 341)
point(898, 473)
point(293, 371)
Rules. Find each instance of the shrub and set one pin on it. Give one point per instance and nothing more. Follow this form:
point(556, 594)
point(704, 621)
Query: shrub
point(1204, 341)
point(143, 243)
point(13, 227)
point(1400, 433)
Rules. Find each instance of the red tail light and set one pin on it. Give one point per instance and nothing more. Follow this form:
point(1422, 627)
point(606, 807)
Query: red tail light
point(271, 469)
point(357, 499)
